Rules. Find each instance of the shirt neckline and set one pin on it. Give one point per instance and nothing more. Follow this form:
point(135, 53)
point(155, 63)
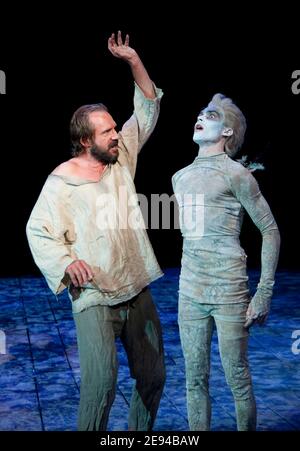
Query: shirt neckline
point(210, 156)
point(75, 180)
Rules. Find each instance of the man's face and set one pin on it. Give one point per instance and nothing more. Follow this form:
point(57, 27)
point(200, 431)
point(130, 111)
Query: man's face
point(105, 142)
point(209, 127)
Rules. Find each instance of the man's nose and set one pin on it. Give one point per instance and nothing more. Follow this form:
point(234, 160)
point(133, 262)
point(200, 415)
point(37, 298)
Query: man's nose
point(114, 135)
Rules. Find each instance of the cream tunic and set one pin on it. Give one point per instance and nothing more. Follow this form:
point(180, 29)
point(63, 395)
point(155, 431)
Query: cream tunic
point(98, 222)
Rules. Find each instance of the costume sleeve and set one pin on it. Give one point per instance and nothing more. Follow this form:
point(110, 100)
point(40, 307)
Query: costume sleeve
point(136, 131)
point(49, 236)
point(247, 191)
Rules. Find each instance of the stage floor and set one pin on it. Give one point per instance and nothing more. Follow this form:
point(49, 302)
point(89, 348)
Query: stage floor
point(39, 371)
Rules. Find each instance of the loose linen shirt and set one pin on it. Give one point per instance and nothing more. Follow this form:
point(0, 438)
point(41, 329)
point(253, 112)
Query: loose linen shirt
point(98, 222)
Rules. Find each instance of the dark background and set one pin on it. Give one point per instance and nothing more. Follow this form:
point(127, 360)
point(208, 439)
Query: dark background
point(54, 67)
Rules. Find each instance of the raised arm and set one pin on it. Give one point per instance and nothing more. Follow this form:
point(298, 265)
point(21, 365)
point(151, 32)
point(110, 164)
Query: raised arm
point(125, 52)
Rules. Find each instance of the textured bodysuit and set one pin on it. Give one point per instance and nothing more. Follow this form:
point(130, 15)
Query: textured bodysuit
point(212, 193)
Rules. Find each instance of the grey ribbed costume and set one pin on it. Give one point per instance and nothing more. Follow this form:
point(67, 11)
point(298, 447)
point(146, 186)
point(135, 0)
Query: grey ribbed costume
point(213, 193)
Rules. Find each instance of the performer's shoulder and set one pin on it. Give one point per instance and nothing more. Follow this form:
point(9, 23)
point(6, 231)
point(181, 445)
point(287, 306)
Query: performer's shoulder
point(67, 168)
point(236, 168)
point(182, 172)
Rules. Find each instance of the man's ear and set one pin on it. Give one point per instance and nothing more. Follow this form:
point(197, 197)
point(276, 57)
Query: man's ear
point(227, 132)
point(85, 142)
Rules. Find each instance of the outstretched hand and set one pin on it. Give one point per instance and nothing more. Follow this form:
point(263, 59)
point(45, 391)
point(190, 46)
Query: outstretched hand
point(120, 49)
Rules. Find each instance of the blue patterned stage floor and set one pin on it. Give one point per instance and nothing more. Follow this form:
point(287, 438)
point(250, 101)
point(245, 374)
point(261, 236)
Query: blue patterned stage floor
point(39, 374)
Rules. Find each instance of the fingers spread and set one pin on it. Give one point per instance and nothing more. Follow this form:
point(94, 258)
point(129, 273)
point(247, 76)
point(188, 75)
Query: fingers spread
point(120, 38)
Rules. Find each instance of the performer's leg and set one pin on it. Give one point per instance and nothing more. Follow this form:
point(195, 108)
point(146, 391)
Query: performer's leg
point(98, 366)
point(233, 345)
point(142, 339)
point(196, 327)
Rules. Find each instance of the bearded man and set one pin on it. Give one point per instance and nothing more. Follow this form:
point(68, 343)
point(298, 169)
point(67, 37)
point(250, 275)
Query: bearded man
point(82, 237)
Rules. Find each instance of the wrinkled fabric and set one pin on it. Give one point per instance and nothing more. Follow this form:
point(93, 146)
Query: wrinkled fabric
point(213, 193)
point(137, 324)
point(69, 221)
point(213, 261)
point(196, 322)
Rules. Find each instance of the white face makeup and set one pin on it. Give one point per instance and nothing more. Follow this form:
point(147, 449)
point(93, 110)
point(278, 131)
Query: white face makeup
point(209, 127)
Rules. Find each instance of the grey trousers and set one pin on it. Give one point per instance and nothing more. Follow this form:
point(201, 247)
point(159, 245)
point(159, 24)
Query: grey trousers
point(196, 323)
point(137, 324)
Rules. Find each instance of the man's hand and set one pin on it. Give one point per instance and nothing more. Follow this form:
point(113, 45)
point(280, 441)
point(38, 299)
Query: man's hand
point(128, 54)
point(120, 50)
point(79, 272)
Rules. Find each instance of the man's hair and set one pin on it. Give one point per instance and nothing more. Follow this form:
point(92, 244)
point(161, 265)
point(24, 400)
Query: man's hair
point(81, 128)
point(233, 118)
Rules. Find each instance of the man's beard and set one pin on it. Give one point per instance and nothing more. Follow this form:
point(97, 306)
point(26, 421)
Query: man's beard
point(104, 156)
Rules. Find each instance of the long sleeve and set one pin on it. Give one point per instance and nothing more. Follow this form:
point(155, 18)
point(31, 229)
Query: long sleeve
point(49, 235)
point(136, 131)
point(247, 191)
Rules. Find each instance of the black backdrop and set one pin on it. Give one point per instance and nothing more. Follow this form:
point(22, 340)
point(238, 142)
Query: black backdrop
point(51, 69)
